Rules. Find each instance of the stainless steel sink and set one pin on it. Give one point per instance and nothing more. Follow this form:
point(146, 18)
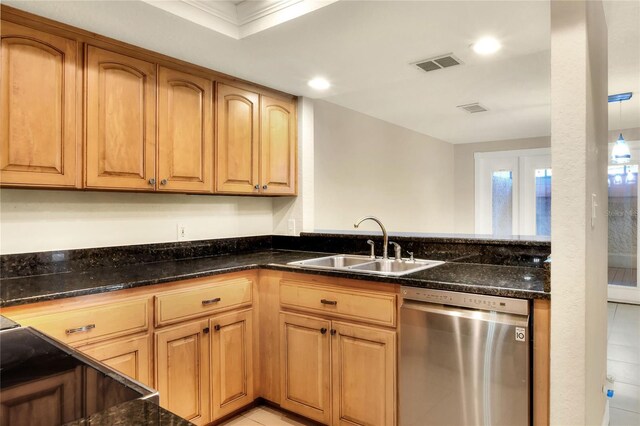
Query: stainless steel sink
point(394, 267)
point(364, 264)
point(332, 262)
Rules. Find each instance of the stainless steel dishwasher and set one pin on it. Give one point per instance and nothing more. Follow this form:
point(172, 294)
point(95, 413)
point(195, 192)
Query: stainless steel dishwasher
point(464, 359)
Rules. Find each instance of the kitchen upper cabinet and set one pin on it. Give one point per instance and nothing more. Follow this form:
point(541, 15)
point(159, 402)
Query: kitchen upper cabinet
point(305, 366)
point(238, 143)
point(77, 115)
point(364, 375)
point(231, 362)
point(129, 356)
point(185, 132)
point(256, 143)
point(277, 146)
point(120, 121)
point(182, 370)
point(39, 99)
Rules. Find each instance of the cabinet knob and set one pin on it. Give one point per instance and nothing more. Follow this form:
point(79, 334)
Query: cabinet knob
point(257, 187)
point(323, 330)
point(163, 182)
point(333, 332)
point(152, 181)
point(216, 327)
point(205, 330)
point(264, 186)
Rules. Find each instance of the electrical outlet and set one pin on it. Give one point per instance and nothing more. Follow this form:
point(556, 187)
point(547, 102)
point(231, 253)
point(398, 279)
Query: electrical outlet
point(181, 231)
point(292, 226)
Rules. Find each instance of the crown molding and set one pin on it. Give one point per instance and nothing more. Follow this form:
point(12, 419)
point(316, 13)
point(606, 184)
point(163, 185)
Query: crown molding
point(239, 19)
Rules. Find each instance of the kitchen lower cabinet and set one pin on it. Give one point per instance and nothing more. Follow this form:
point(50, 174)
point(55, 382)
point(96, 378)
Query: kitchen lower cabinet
point(338, 373)
point(305, 361)
point(51, 401)
point(182, 370)
point(231, 362)
point(204, 368)
point(363, 375)
point(129, 356)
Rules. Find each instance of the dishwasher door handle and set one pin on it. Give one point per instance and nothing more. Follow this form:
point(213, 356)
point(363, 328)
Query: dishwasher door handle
point(473, 314)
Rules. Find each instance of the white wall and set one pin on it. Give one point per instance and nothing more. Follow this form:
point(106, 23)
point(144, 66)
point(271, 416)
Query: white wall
point(37, 220)
point(300, 209)
point(464, 166)
point(579, 159)
point(366, 166)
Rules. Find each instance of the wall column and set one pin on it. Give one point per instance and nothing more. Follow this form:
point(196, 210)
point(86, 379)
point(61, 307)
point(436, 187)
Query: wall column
point(578, 242)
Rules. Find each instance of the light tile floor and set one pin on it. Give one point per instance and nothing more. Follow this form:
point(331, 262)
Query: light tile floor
point(267, 416)
point(623, 363)
point(623, 353)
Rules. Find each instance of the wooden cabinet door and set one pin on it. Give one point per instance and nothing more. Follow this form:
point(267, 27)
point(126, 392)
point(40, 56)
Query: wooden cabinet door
point(51, 401)
point(120, 121)
point(231, 362)
point(38, 90)
point(129, 356)
point(363, 362)
point(305, 366)
point(182, 370)
point(278, 146)
point(237, 142)
point(185, 132)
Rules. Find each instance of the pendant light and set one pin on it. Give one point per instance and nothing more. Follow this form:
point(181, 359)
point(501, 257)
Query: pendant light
point(620, 153)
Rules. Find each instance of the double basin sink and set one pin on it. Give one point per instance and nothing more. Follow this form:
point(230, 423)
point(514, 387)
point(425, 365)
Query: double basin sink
point(365, 264)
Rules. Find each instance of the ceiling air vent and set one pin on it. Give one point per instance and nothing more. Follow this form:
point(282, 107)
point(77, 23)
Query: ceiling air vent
point(473, 108)
point(438, 62)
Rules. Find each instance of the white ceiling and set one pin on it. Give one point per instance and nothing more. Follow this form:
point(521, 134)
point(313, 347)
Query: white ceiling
point(623, 24)
point(365, 47)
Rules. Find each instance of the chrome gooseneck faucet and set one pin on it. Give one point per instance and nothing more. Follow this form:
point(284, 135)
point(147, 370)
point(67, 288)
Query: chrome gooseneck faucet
point(385, 237)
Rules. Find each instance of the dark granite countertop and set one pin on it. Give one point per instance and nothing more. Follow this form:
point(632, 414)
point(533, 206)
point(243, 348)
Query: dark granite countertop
point(7, 324)
point(29, 356)
point(458, 274)
point(137, 412)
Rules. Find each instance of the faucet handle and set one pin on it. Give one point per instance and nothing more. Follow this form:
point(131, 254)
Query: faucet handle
point(373, 248)
point(410, 253)
point(398, 250)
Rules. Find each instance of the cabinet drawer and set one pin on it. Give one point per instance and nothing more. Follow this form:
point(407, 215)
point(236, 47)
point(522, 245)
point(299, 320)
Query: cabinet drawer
point(84, 325)
point(373, 307)
point(181, 305)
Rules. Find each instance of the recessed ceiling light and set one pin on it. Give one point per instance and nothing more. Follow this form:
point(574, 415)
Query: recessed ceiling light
point(486, 46)
point(319, 83)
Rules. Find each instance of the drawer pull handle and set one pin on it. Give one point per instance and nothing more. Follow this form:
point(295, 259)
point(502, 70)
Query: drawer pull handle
point(329, 302)
point(210, 301)
point(80, 329)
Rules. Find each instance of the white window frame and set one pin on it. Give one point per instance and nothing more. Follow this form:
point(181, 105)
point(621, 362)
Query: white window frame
point(519, 162)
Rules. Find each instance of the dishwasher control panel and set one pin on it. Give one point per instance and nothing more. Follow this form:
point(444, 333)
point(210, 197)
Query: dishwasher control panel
point(467, 300)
